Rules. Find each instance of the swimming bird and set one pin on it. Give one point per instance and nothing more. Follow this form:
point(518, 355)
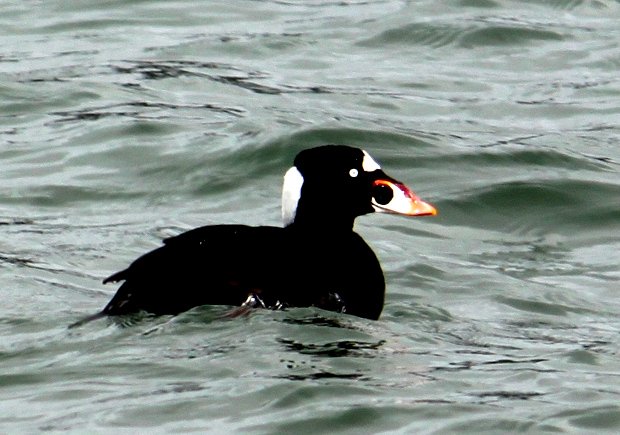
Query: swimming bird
point(315, 259)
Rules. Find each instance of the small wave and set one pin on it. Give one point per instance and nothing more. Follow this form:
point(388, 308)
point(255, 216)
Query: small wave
point(465, 35)
point(529, 158)
point(433, 35)
point(558, 205)
point(506, 35)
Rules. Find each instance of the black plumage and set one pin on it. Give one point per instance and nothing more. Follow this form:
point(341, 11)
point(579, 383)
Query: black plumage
point(316, 259)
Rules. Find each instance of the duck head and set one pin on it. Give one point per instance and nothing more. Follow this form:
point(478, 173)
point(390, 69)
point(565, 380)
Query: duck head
point(329, 186)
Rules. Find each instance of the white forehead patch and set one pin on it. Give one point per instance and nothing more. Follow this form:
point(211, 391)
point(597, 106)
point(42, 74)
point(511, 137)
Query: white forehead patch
point(369, 164)
point(291, 192)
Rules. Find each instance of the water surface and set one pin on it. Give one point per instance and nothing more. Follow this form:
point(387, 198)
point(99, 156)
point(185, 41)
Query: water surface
point(122, 123)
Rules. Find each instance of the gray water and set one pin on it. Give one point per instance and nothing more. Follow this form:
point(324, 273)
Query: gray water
point(122, 123)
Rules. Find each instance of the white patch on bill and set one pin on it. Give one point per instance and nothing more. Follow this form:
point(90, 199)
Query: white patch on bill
point(369, 164)
point(291, 192)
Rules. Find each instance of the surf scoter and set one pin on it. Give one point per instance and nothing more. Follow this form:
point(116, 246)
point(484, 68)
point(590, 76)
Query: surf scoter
point(316, 259)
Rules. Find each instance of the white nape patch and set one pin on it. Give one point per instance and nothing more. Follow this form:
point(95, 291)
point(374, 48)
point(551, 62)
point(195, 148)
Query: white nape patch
point(369, 164)
point(291, 192)
point(353, 173)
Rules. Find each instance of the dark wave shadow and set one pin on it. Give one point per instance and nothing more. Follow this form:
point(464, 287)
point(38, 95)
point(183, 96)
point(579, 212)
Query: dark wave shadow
point(336, 349)
point(465, 34)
